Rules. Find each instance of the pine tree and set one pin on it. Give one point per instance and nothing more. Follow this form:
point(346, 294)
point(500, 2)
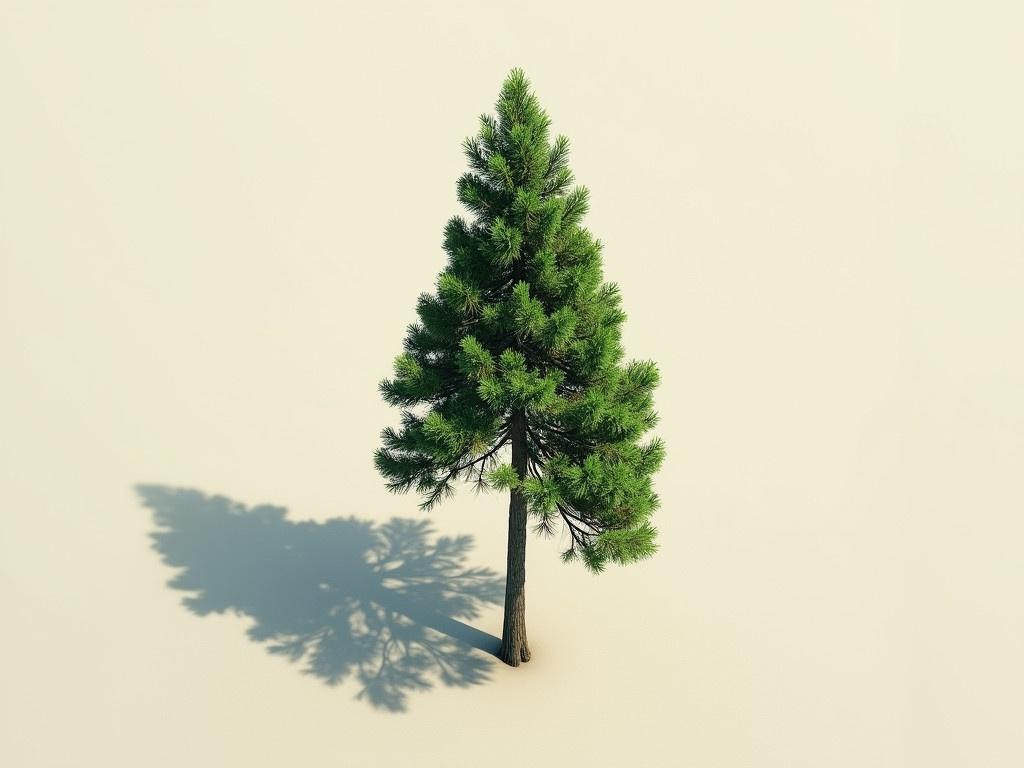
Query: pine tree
point(519, 348)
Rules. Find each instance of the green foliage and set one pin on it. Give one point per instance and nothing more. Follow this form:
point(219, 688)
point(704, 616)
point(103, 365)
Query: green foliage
point(522, 321)
point(503, 478)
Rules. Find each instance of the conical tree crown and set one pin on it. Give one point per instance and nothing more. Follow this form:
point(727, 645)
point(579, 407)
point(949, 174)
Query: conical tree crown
point(522, 322)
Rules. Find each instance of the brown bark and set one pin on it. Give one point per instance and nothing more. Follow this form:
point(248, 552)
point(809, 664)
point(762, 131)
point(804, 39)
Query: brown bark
point(514, 648)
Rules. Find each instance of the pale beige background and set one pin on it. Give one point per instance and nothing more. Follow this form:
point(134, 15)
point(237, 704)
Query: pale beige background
point(214, 222)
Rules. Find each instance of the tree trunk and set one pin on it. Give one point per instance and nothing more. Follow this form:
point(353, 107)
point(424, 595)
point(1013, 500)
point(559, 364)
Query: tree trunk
point(514, 648)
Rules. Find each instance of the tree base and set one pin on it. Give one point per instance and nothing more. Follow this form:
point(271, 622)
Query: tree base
point(513, 655)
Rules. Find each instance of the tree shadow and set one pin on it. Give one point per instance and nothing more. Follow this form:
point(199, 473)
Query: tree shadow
point(380, 603)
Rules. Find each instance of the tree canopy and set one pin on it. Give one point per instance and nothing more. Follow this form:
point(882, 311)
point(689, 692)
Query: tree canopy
point(523, 322)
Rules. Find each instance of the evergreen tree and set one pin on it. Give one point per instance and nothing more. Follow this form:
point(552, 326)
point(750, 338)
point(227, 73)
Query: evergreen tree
point(519, 348)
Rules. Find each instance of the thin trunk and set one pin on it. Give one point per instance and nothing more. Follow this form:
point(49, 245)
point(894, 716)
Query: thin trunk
point(514, 648)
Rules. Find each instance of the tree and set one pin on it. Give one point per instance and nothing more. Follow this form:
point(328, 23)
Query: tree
point(519, 349)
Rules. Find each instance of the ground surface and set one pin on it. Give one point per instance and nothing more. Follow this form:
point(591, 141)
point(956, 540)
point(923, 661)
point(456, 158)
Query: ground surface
point(214, 223)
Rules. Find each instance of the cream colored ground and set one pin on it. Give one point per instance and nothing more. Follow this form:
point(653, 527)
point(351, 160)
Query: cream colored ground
point(214, 223)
